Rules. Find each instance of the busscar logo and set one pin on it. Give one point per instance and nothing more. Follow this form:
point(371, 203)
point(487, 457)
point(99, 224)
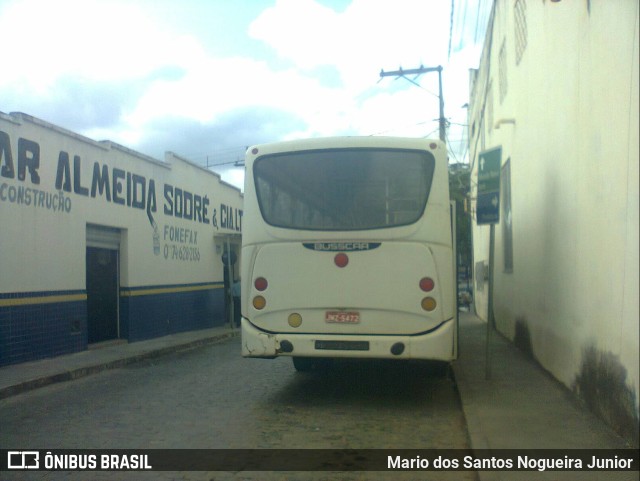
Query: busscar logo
point(23, 460)
point(341, 246)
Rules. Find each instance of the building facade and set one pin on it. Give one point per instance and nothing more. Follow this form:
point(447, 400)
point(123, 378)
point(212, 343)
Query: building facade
point(557, 93)
point(101, 243)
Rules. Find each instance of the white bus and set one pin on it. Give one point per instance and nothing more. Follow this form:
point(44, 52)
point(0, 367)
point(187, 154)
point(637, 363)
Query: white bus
point(347, 251)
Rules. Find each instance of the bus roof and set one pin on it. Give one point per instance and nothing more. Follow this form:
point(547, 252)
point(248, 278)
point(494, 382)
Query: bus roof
point(347, 142)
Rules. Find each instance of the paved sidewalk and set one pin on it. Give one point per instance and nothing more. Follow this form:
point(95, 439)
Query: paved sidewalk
point(18, 378)
point(522, 406)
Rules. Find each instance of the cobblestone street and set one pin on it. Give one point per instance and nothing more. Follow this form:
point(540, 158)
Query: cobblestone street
point(212, 398)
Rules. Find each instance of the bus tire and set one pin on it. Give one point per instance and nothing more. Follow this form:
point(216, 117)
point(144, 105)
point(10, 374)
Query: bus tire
point(441, 369)
point(303, 364)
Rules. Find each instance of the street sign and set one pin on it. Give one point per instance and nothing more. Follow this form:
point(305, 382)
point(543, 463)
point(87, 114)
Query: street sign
point(488, 205)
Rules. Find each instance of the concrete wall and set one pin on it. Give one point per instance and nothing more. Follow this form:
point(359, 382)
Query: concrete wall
point(172, 219)
point(566, 74)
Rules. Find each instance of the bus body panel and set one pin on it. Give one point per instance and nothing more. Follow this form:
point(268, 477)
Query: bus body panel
point(435, 345)
point(380, 284)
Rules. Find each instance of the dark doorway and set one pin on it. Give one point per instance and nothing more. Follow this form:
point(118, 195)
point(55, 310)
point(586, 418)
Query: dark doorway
point(102, 294)
point(230, 263)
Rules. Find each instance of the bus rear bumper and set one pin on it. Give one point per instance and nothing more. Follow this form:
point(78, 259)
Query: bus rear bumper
point(437, 344)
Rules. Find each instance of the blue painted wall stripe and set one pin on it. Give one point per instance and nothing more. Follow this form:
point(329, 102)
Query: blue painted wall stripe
point(41, 324)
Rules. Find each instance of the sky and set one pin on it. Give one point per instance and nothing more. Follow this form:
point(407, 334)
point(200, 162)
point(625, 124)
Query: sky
point(207, 78)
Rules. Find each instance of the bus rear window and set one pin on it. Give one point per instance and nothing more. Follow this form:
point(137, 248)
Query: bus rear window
point(343, 189)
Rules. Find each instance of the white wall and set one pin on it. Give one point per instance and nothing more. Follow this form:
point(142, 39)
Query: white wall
point(574, 181)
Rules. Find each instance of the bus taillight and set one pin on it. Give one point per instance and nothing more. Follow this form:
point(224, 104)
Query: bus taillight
point(261, 284)
point(341, 259)
point(294, 319)
point(259, 302)
point(427, 284)
point(429, 304)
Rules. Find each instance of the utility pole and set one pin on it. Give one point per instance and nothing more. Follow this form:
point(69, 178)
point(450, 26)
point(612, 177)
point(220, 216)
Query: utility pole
point(420, 71)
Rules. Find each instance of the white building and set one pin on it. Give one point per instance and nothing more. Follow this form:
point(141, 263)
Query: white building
point(557, 91)
point(102, 243)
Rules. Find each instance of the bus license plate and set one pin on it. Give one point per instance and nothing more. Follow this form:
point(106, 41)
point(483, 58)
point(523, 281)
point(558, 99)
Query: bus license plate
point(342, 317)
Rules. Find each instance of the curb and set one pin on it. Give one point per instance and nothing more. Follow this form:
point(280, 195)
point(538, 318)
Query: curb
point(84, 371)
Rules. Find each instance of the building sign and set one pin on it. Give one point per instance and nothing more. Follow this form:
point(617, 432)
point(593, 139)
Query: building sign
point(488, 204)
point(21, 185)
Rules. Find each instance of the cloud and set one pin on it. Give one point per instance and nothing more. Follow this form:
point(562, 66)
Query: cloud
point(90, 39)
point(301, 30)
point(367, 36)
point(83, 64)
point(77, 103)
point(214, 87)
point(133, 73)
point(218, 141)
point(357, 43)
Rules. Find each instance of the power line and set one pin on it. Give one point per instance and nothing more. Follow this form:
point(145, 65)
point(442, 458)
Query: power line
point(234, 162)
point(465, 6)
point(405, 126)
point(220, 157)
point(451, 151)
point(475, 36)
point(217, 151)
point(420, 71)
point(430, 133)
point(419, 86)
point(450, 29)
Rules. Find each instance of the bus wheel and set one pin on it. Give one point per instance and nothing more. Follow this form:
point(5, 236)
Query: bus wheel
point(303, 364)
point(440, 369)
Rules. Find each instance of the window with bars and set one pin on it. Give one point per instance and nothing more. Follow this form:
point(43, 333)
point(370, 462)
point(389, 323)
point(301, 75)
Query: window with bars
point(502, 63)
point(520, 21)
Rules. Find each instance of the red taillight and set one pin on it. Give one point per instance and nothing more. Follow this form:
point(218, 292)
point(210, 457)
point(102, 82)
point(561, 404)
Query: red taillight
point(261, 284)
point(341, 259)
point(427, 284)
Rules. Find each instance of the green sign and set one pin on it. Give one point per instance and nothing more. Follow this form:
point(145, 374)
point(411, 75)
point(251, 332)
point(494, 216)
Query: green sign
point(488, 205)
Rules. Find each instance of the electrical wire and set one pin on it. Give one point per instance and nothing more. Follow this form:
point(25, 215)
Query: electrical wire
point(464, 22)
point(451, 151)
point(420, 86)
point(450, 29)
